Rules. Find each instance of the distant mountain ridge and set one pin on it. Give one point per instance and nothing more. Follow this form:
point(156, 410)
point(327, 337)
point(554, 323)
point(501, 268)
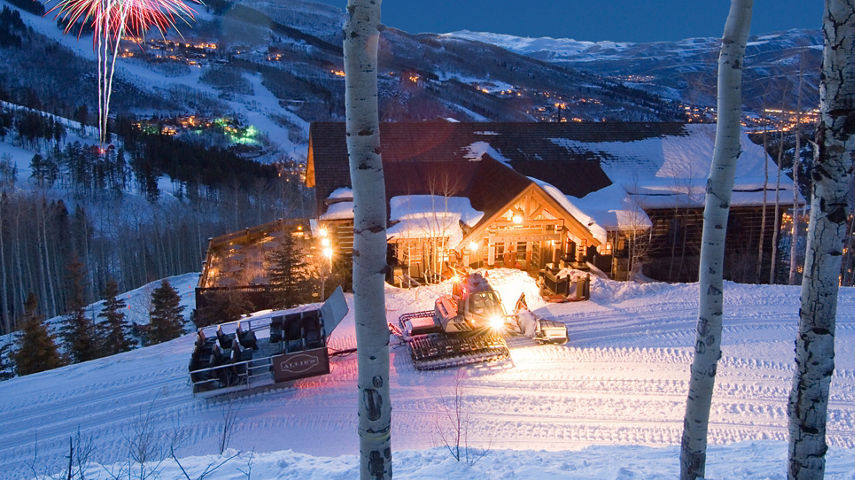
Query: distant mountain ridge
point(687, 66)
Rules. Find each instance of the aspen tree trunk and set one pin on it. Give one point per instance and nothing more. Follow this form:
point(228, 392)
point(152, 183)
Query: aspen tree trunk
point(52, 298)
point(719, 188)
point(776, 225)
point(4, 296)
point(835, 138)
point(763, 214)
point(847, 273)
point(361, 37)
point(797, 156)
point(19, 258)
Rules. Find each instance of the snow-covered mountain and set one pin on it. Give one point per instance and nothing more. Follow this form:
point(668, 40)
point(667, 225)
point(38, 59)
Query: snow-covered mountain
point(280, 66)
point(609, 404)
point(684, 69)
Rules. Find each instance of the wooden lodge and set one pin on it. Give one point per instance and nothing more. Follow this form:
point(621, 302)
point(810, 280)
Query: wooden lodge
point(449, 203)
point(624, 197)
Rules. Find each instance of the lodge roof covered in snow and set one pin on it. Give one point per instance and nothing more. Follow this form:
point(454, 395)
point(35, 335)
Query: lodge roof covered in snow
point(418, 159)
point(610, 171)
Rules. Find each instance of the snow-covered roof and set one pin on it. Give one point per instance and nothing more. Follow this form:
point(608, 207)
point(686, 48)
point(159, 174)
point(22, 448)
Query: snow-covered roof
point(427, 216)
point(341, 193)
point(338, 211)
point(604, 171)
point(476, 150)
point(596, 230)
point(614, 209)
point(668, 170)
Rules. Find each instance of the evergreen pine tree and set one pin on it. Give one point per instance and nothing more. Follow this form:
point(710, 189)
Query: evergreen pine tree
point(113, 331)
point(78, 331)
point(225, 307)
point(36, 349)
point(165, 319)
point(289, 271)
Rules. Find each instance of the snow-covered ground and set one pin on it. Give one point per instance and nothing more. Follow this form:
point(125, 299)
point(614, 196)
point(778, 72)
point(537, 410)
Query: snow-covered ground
point(608, 405)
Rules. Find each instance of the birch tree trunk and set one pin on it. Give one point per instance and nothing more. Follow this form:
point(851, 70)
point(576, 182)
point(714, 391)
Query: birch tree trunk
point(831, 173)
point(4, 310)
point(361, 37)
point(760, 244)
point(797, 156)
point(776, 225)
point(719, 188)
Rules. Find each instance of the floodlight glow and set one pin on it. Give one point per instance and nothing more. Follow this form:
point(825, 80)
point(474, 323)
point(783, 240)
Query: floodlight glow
point(473, 246)
point(325, 241)
point(517, 218)
point(328, 252)
point(496, 322)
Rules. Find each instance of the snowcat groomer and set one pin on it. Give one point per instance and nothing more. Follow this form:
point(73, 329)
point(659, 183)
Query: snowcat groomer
point(464, 327)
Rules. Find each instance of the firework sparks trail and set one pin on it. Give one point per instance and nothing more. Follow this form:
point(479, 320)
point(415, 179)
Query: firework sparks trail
point(110, 20)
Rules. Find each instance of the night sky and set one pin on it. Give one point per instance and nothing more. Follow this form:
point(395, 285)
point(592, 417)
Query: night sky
point(618, 20)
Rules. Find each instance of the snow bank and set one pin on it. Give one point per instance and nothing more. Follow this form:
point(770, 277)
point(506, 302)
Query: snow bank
point(756, 460)
point(608, 404)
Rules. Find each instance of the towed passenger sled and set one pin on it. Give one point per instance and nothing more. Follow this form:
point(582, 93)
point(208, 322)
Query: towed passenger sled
point(265, 349)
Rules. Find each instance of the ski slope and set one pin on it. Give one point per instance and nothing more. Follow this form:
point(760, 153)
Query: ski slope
point(609, 404)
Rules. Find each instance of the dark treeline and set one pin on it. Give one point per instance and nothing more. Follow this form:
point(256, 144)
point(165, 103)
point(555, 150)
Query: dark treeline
point(89, 202)
point(188, 162)
point(12, 28)
point(135, 244)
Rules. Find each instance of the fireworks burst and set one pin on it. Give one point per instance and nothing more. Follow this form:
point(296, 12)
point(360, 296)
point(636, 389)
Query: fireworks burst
point(110, 20)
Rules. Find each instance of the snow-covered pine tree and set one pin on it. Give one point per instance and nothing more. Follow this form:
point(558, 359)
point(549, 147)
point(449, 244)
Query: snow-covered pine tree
point(78, 331)
point(831, 173)
point(165, 319)
point(288, 270)
point(361, 36)
point(113, 330)
point(36, 349)
point(693, 451)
